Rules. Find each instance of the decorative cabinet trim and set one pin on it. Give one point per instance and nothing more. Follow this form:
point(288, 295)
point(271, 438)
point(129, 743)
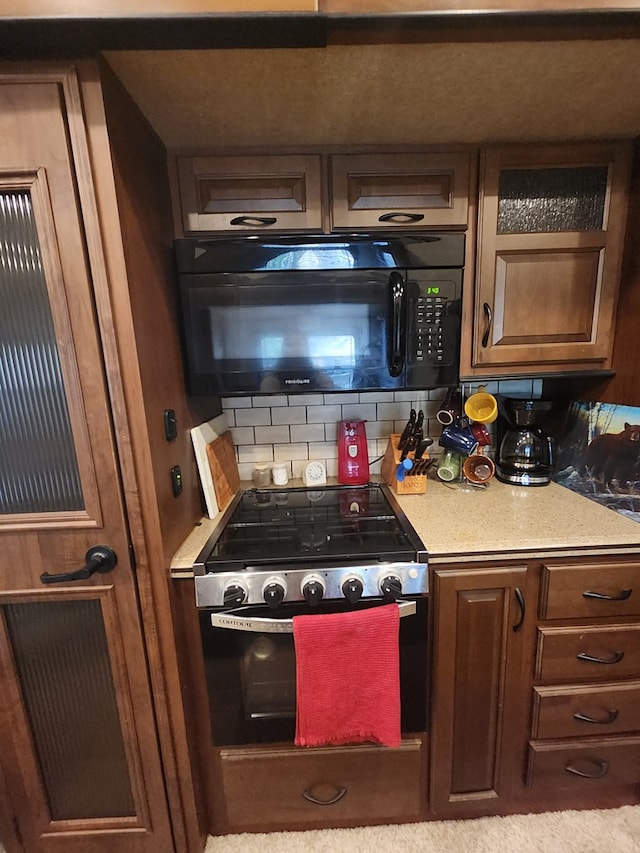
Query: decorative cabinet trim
point(400, 191)
point(249, 194)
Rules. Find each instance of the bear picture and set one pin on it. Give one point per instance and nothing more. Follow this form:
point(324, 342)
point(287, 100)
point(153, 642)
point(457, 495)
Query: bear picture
point(599, 455)
point(612, 458)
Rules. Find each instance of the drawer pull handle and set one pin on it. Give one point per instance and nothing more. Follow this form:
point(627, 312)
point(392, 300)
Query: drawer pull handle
point(602, 596)
point(612, 715)
point(615, 658)
point(336, 799)
point(601, 764)
point(401, 216)
point(255, 221)
point(520, 599)
point(487, 328)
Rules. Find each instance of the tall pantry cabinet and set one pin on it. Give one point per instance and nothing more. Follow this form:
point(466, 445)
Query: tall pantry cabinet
point(93, 753)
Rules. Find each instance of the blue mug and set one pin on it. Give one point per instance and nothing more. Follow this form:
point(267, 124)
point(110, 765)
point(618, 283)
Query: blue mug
point(459, 439)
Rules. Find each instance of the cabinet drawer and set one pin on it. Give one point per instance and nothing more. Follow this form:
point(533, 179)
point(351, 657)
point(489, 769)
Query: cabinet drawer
point(250, 194)
point(588, 653)
point(278, 787)
point(586, 710)
point(573, 592)
point(584, 765)
point(400, 190)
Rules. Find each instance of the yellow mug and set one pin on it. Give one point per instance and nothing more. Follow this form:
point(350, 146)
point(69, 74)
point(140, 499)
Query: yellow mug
point(481, 407)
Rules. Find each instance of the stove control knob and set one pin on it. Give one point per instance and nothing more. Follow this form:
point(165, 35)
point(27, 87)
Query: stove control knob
point(391, 586)
point(352, 589)
point(235, 593)
point(313, 589)
point(274, 591)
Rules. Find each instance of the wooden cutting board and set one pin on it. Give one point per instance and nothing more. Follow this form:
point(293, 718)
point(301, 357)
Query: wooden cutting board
point(224, 469)
point(201, 436)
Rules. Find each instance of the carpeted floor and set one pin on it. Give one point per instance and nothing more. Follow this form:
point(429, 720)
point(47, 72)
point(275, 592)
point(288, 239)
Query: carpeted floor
point(607, 831)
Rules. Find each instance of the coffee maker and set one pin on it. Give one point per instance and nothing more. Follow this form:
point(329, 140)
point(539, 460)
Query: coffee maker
point(526, 452)
point(353, 456)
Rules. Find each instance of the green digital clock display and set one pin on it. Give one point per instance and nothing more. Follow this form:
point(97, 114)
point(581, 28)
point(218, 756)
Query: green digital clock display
point(433, 291)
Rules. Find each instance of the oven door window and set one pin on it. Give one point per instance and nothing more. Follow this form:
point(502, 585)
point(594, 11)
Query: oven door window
point(251, 676)
point(292, 331)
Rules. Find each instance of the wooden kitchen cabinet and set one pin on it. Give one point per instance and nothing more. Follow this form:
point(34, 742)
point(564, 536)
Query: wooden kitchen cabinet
point(479, 713)
point(248, 194)
point(550, 237)
point(400, 191)
point(585, 729)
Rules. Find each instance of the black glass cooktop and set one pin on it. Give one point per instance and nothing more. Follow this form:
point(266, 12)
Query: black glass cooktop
point(312, 525)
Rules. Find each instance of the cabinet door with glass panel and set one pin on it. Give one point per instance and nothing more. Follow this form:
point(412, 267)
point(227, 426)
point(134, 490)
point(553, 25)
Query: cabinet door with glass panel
point(550, 239)
point(79, 763)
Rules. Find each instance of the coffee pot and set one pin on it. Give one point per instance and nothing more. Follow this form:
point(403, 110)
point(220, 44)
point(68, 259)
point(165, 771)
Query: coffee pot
point(527, 453)
point(353, 456)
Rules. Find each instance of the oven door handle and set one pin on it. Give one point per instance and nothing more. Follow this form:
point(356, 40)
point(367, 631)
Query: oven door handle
point(264, 625)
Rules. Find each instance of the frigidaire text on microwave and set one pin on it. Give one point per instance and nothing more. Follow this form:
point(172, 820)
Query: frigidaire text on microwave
point(321, 313)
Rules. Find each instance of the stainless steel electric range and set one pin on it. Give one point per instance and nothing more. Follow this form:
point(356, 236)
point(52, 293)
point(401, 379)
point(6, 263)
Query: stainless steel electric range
point(279, 553)
point(311, 545)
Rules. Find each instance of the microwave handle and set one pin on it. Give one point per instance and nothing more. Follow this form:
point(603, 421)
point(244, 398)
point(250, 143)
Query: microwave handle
point(243, 621)
point(395, 349)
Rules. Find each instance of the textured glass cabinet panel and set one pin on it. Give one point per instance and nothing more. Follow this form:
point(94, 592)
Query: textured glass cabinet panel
point(60, 653)
point(37, 455)
point(554, 199)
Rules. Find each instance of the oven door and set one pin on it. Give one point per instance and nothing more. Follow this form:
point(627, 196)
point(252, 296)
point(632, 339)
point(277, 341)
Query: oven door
point(251, 669)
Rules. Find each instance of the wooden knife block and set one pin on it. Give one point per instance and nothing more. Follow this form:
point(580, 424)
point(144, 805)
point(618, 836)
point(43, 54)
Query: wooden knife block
point(411, 485)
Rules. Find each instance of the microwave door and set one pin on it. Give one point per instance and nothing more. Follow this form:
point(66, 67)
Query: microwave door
point(293, 332)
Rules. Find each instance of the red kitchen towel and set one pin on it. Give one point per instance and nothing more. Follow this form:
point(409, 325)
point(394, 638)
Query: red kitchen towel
point(348, 677)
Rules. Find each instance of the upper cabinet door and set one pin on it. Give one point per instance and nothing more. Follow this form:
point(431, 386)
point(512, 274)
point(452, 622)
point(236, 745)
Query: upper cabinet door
point(78, 749)
point(392, 191)
point(246, 194)
point(551, 230)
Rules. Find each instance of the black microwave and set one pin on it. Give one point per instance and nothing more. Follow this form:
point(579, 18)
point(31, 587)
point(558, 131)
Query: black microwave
point(321, 313)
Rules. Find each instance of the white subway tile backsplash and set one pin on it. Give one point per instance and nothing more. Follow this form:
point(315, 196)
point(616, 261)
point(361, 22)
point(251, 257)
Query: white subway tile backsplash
point(306, 399)
point(376, 397)
point(393, 411)
point(269, 401)
point(323, 414)
point(359, 411)
point(307, 432)
point(284, 452)
point(341, 399)
point(253, 417)
point(236, 402)
point(298, 427)
point(243, 435)
point(323, 450)
point(256, 453)
point(272, 434)
point(289, 415)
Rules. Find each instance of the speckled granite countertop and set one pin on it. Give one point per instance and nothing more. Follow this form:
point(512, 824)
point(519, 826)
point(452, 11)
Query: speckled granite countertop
point(461, 522)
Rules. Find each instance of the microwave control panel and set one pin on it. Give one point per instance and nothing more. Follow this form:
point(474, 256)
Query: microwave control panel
point(436, 323)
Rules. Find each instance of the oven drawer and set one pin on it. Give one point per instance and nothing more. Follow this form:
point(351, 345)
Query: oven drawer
point(584, 710)
point(575, 592)
point(584, 766)
point(586, 653)
point(322, 786)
